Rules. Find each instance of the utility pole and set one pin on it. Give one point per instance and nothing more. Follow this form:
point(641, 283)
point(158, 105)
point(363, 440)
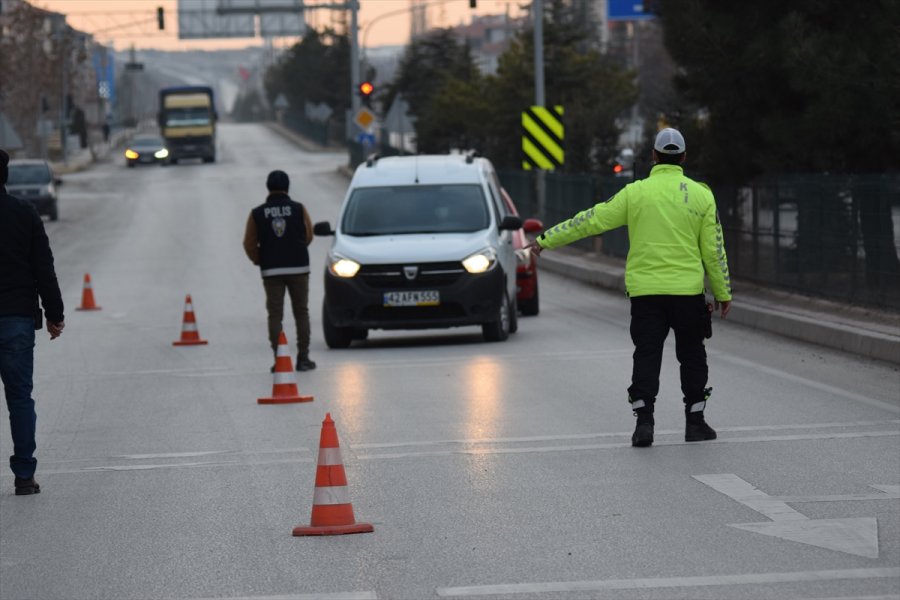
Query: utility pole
point(355, 100)
point(537, 15)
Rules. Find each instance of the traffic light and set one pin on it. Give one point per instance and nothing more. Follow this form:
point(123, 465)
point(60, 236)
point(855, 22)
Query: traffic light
point(160, 18)
point(365, 92)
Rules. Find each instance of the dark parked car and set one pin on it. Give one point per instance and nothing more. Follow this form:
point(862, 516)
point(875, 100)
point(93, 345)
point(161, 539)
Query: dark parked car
point(146, 150)
point(526, 263)
point(32, 179)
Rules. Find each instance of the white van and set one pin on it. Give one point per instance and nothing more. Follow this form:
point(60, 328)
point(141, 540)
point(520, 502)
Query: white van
point(421, 242)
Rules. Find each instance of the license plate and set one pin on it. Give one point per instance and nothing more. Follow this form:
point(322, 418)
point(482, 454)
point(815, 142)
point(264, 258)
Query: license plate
point(412, 298)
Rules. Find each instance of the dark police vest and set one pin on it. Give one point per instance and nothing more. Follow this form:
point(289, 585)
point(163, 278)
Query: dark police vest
point(282, 236)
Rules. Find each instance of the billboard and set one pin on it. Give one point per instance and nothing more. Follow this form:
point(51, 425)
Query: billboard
point(203, 19)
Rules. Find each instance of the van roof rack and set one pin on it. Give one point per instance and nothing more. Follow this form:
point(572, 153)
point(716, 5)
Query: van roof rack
point(372, 159)
point(471, 155)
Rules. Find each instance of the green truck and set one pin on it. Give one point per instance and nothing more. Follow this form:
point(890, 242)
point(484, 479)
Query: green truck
point(187, 121)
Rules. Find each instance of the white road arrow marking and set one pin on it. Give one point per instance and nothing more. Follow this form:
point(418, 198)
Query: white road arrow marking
point(857, 536)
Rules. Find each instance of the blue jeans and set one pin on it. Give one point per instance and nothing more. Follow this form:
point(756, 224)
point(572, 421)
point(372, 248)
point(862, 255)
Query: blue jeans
point(16, 371)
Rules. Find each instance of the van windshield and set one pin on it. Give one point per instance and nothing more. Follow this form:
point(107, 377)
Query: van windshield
point(187, 117)
point(415, 209)
point(19, 174)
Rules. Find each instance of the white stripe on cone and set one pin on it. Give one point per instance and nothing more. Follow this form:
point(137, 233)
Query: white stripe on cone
point(331, 495)
point(284, 378)
point(330, 456)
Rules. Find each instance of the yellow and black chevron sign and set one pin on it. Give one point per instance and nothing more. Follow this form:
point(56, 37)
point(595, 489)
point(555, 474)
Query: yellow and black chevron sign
point(542, 138)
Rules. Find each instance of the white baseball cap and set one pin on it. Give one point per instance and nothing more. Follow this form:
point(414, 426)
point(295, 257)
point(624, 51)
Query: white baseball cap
point(669, 141)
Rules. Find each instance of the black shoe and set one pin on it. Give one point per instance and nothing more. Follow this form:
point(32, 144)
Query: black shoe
point(26, 487)
point(698, 432)
point(643, 434)
point(305, 365)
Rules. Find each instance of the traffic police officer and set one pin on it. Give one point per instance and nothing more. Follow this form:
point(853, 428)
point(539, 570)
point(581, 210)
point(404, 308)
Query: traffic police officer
point(675, 237)
point(276, 238)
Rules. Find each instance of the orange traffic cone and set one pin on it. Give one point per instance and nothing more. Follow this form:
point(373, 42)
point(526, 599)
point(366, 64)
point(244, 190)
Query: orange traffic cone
point(284, 388)
point(189, 334)
point(332, 513)
point(87, 295)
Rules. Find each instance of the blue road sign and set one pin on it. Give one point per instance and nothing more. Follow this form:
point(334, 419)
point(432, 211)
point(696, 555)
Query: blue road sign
point(366, 139)
point(627, 10)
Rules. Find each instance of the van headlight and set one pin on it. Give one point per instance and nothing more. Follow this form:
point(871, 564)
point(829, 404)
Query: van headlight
point(131, 154)
point(161, 153)
point(343, 267)
point(481, 261)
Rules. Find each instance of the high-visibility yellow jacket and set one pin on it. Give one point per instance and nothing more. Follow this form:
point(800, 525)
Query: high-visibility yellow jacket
point(673, 232)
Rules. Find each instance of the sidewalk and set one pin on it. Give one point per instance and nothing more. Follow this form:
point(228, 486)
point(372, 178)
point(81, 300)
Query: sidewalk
point(305, 143)
point(864, 331)
point(85, 157)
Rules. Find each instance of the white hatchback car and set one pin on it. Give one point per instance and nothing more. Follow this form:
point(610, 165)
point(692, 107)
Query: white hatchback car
point(421, 242)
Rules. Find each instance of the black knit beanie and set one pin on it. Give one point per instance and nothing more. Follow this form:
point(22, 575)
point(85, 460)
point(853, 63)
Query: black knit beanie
point(278, 181)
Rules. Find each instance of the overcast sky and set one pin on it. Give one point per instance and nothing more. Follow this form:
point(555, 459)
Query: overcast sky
point(126, 22)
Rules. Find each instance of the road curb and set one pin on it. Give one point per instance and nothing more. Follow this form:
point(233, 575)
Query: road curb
point(840, 333)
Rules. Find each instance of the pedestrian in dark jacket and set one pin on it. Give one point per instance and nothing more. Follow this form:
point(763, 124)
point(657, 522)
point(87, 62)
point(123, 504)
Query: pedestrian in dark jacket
point(27, 281)
point(277, 234)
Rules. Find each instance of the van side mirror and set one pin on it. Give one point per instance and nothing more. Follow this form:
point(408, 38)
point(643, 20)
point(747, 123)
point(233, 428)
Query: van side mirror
point(323, 228)
point(58, 181)
point(510, 223)
point(533, 225)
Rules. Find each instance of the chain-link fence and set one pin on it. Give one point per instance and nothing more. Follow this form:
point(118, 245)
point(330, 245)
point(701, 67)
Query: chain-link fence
point(831, 236)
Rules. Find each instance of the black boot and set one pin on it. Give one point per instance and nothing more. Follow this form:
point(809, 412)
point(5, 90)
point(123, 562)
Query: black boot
point(643, 430)
point(696, 429)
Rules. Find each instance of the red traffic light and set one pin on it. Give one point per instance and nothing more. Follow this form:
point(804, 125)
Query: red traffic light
point(366, 88)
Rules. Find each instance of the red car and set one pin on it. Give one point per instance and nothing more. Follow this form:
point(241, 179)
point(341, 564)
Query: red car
point(526, 268)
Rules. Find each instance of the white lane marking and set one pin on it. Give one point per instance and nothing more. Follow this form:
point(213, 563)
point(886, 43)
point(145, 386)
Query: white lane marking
point(621, 446)
point(887, 492)
point(369, 595)
point(891, 491)
point(830, 389)
point(582, 436)
point(170, 455)
point(737, 489)
point(890, 597)
point(667, 582)
point(858, 536)
point(149, 467)
point(229, 463)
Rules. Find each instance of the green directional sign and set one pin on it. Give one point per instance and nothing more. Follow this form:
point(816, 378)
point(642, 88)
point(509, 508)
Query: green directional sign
point(542, 138)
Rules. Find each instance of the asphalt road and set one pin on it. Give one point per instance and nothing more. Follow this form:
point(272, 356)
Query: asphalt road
point(488, 470)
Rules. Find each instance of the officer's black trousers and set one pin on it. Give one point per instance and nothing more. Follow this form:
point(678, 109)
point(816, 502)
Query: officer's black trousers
point(651, 319)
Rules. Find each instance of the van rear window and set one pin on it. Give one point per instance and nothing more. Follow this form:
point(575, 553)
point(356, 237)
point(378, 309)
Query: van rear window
point(415, 209)
point(19, 174)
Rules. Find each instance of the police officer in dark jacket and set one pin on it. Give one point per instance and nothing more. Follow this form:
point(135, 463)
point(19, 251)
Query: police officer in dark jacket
point(26, 275)
point(276, 239)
